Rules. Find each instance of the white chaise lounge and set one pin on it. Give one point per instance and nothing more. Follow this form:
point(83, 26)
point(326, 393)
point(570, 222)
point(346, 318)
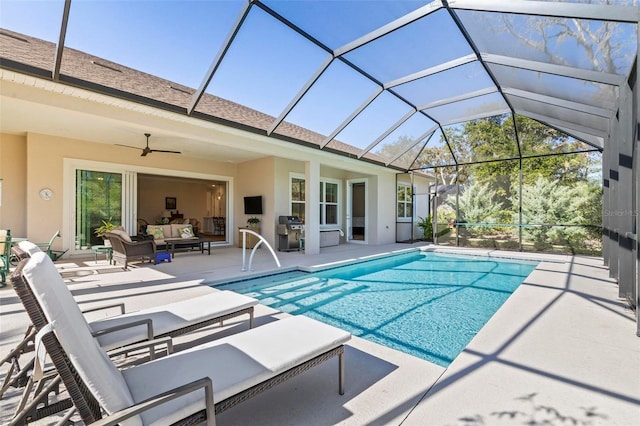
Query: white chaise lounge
point(113, 332)
point(183, 387)
point(166, 320)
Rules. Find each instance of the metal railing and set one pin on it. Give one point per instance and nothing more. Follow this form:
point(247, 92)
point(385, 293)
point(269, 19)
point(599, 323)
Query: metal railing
point(253, 251)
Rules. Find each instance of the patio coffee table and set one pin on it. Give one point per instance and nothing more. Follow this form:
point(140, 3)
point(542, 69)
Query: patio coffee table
point(178, 243)
point(107, 250)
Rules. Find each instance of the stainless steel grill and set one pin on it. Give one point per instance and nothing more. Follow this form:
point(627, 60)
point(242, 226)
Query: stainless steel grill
point(289, 233)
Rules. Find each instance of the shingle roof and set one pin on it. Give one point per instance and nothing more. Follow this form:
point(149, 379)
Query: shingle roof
point(117, 78)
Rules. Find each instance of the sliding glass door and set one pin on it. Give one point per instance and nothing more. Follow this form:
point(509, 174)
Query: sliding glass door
point(98, 197)
point(97, 191)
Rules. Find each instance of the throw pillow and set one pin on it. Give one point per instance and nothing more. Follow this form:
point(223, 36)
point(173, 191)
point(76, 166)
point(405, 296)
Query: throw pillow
point(157, 233)
point(186, 232)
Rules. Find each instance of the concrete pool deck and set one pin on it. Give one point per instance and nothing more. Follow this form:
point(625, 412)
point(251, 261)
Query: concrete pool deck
point(561, 350)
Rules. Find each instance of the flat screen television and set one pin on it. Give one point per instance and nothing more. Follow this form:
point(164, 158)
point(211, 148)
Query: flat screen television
point(253, 205)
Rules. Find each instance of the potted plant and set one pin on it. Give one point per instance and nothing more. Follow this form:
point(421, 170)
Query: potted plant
point(253, 222)
point(101, 231)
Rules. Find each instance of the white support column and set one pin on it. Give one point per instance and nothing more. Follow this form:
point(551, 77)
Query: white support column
point(311, 210)
point(636, 185)
point(130, 202)
point(624, 202)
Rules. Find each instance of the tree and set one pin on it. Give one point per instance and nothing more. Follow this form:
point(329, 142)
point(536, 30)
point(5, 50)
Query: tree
point(600, 44)
point(603, 46)
point(491, 138)
point(439, 159)
point(401, 148)
point(491, 188)
point(478, 204)
point(446, 212)
point(548, 202)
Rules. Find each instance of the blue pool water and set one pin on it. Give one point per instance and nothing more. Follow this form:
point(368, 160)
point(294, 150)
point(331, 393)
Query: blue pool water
point(425, 304)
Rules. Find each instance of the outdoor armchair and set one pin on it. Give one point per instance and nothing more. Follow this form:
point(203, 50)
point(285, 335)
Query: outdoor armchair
point(125, 249)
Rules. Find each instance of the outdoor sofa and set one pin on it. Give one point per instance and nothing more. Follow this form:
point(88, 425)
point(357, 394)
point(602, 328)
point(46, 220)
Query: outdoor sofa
point(183, 233)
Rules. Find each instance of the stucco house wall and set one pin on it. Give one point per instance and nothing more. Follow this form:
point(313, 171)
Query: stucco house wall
point(13, 175)
point(421, 186)
point(45, 154)
point(35, 161)
point(256, 178)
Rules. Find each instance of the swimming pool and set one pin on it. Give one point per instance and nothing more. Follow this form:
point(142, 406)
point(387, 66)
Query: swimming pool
point(426, 304)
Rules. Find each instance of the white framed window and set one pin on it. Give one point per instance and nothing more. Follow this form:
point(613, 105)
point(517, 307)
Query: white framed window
point(329, 202)
point(330, 196)
point(297, 195)
point(405, 202)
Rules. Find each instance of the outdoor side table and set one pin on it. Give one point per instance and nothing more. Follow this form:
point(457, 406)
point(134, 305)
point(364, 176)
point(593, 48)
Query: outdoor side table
point(107, 250)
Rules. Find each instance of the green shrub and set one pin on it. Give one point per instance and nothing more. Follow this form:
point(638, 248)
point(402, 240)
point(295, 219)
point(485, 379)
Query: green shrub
point(547, 202)
point(426, 224)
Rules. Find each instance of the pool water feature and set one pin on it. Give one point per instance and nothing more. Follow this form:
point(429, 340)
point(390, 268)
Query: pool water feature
point(426, 304)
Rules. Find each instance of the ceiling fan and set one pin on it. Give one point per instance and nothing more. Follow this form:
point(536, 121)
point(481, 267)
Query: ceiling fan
point(146, 150)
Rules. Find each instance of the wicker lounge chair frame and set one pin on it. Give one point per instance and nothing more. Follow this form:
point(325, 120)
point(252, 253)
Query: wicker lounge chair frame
point(18, 376)
point(21, 254)
point(38, 320)
point(39, 406)
point(88, 407)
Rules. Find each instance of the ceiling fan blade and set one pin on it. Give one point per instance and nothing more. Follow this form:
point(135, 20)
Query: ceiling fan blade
point(162, 150)
point(128, 146)
point(146, 150)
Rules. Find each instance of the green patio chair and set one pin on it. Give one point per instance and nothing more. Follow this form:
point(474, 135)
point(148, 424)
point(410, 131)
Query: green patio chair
point(46, 247)
point(5, 255)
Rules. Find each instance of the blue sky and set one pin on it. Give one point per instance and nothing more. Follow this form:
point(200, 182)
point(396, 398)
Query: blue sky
point(265, 69)
point(269, 62)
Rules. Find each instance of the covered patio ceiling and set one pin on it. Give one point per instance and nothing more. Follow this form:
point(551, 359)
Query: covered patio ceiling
point(377, 80)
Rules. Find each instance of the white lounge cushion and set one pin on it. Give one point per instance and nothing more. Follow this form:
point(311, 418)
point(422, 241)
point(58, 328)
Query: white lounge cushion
point(29, 247)
point(234, 363)
point(94, 366)
point(171, 317)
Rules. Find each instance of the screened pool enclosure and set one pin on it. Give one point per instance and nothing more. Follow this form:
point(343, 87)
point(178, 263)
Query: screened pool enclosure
point(523, 113)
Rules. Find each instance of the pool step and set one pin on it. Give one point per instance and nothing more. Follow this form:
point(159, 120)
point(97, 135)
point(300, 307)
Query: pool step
point(321, 287)
point(283, 287)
